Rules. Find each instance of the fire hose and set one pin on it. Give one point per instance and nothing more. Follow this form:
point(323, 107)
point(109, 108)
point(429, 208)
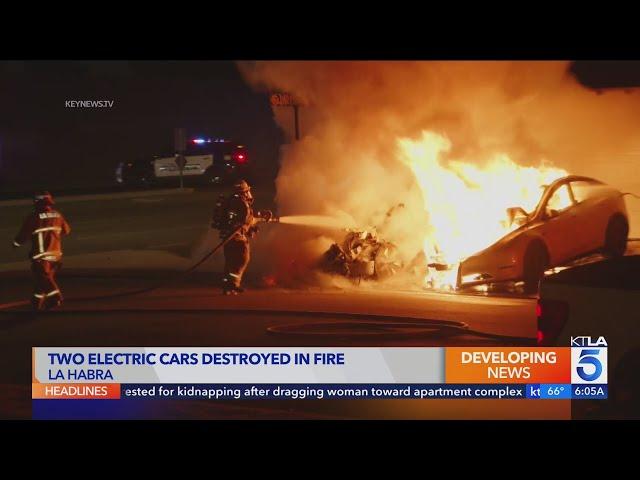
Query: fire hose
point(378, 326)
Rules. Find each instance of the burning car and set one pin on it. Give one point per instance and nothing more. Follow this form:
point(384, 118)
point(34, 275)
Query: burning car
point(575, 216)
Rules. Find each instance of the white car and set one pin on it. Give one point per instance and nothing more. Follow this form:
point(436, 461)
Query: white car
point(598, 299)
point(575, 216)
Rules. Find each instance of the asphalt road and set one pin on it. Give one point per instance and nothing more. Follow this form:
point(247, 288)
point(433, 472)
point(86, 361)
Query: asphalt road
point(121, 244)
point(194, 313)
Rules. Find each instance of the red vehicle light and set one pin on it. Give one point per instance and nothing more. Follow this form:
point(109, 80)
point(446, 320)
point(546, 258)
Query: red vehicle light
point(552, 317)
point(240, 157)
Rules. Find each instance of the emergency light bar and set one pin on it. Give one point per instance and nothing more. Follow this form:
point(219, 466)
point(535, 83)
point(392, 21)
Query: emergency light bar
point(201, 141)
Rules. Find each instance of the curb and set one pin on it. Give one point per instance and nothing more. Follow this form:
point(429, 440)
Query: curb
point(102, 196)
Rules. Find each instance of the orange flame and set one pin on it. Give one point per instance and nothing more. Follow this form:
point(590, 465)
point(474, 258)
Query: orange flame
point(467, 204)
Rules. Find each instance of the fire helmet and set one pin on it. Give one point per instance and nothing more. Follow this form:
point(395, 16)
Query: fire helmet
point(242, 186)
point(43, 198)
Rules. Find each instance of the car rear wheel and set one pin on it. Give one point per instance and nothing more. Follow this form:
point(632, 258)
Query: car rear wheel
point(615, 244)
point(147, 182)
point(536, 261)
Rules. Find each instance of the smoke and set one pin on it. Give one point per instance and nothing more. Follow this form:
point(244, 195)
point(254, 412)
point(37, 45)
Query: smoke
point(353, 113)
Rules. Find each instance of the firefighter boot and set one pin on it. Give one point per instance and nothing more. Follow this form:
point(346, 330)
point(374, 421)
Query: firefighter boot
point(53, 302)
point(228, 288)
point(38, 301)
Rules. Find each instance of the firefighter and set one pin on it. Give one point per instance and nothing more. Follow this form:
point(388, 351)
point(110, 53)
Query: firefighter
point(239, 221)
point(45, 226)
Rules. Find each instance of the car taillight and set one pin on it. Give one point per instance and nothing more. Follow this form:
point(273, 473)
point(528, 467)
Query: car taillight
point(552, 317)
point(240, 157)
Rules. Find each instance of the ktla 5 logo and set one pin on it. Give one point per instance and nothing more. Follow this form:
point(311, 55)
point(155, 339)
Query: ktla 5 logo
point(588, 360)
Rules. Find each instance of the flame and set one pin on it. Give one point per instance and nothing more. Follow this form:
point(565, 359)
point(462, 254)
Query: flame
point(467, 204)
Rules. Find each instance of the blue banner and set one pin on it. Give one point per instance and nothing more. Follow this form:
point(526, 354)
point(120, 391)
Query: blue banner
point(589, 392)
point(320, 391)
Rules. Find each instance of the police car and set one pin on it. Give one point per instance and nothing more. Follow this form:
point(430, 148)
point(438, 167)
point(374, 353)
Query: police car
point(208, 161)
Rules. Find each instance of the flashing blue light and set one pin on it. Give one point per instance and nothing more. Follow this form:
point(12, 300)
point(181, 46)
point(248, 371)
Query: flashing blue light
point(200, 141)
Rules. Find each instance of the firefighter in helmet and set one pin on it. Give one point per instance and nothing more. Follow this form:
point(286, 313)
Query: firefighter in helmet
point(239, 223)
point(45, 226)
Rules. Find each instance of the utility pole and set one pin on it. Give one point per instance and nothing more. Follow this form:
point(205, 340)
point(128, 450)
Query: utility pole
point(180, 144)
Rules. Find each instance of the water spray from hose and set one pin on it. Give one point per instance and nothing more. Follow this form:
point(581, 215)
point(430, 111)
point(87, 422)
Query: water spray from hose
point(321, 221)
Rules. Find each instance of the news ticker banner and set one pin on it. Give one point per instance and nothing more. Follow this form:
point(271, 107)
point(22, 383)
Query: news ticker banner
point(576, 372)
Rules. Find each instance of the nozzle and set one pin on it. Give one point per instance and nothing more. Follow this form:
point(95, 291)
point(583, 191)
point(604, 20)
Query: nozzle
point(267, 216)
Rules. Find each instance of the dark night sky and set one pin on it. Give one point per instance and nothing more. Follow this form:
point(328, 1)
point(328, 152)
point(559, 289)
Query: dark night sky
point(47, 145)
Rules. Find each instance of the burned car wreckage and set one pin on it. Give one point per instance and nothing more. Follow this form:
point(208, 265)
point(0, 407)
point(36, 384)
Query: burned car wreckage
point(363, 255)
